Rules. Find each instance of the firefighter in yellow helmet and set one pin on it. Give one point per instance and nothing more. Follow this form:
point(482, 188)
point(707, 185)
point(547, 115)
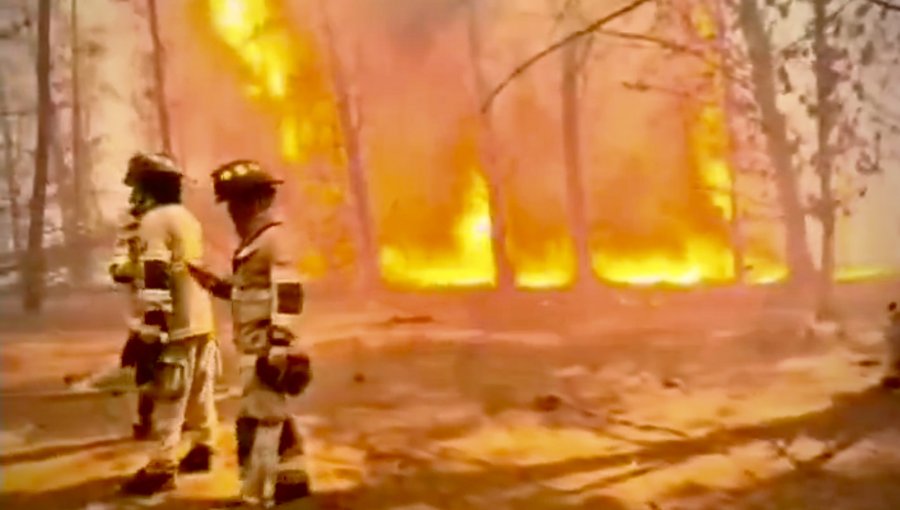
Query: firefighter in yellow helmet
point(266, 297)
point(177, 318)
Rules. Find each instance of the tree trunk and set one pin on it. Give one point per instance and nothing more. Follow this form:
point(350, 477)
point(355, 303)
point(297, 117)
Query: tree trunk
point(571, 133)
point(159, 76)
point(92, 198)
point(59, 169)
point(62, 174)
point(774, 125)
point(33, 281)
point(826, 81)
point(367, 257)
point(720, 59)
point(10, 161)
point(77, 256)
point(502, 264)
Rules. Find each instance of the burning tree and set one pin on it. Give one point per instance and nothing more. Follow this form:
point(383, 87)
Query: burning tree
point(288, 67)
point(573, 57)
point(760, 77)
point(690, 208)
point(494, 172)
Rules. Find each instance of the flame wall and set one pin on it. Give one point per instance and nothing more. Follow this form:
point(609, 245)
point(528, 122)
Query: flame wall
point(253, 79)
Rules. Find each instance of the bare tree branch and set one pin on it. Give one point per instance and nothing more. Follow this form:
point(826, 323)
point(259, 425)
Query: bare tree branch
point(663, 43)
point(524, 66)
point(884, 4)
point(808, 33)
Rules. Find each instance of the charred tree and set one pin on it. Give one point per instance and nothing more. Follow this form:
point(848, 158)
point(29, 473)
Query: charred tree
point(571, 137)
point(493, 177)
point(34, 264)
point(719, 60)
point(159, 77)
point(367, 258)
point(779, 148)
point(826, 118)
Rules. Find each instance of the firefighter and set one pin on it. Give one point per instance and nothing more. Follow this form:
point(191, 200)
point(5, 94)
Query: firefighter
point(177, 320)
point(266, 296)
point(125, 270)
point(891, 380)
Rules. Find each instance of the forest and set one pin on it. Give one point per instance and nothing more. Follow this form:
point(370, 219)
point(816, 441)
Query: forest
point(521, 223)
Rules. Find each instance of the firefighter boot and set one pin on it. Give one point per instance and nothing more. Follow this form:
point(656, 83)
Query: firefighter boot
point(291, 485)
point(198, 460)
point(150, 480)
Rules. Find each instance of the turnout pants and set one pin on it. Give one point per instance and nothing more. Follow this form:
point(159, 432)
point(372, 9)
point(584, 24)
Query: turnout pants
point(142, 357)
point(183, 388)
point(270, 448)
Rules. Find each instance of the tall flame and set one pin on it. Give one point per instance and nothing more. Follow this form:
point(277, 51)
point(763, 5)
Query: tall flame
point(704, 253)
point(470, 262)
point(283, 72)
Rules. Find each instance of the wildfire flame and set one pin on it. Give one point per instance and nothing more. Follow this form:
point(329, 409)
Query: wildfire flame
point(703, 254)
point(469, 263)
point(469, 258)
point(284, 73)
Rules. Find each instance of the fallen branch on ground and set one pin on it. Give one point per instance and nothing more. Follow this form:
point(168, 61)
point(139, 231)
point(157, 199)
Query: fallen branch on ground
point(553, 402)
point(816, 461)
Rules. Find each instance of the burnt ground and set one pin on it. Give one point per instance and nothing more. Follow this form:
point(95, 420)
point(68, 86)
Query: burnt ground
point(715, 399)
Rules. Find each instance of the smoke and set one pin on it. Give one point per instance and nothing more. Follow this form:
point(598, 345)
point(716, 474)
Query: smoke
point(412, 24)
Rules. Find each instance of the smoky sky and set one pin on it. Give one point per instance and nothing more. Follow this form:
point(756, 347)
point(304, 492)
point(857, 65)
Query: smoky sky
point(413, 23)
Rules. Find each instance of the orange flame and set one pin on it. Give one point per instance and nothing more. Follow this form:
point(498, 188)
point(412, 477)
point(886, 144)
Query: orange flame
point(470, 261)
point(703, 253)
point(276, 56)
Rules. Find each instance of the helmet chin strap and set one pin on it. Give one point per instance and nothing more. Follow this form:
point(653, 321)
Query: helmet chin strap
point(142, 203)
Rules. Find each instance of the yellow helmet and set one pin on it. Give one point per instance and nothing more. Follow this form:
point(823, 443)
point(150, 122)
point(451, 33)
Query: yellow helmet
point(240, 178)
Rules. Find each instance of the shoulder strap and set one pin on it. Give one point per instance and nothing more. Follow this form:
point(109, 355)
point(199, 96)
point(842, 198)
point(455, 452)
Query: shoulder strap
point(249, 240)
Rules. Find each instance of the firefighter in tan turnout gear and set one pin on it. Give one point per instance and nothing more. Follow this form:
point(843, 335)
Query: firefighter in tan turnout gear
point(125, 270)
point(266, 296)
point(177, 319)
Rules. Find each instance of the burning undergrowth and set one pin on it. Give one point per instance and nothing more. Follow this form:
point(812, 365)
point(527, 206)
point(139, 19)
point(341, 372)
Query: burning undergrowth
point(657, 181)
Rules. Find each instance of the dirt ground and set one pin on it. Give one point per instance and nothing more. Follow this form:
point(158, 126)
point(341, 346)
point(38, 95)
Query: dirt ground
point(723, 399)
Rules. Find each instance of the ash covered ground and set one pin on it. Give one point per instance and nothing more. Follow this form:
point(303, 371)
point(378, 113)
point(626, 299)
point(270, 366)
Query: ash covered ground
point(706, 399)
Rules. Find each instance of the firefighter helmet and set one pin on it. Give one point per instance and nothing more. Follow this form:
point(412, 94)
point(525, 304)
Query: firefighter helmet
point(241, 177)
point(143, 164)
